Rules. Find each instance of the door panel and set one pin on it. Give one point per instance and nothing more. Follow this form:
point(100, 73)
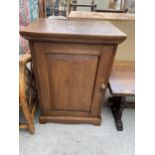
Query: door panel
point(71, 81)
point(66, 81)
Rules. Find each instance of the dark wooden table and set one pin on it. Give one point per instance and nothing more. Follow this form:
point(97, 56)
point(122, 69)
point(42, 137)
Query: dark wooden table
point(121, 85)
point(72, 62)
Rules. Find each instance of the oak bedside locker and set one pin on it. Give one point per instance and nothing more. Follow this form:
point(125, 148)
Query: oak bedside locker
point(72, 62)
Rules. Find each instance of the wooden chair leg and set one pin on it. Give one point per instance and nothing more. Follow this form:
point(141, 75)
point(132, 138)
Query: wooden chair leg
point(27, 116)
point(117, 109)
point(26, 85)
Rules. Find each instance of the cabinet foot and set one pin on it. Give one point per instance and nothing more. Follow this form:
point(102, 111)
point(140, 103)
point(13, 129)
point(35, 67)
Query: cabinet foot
point(31, 129)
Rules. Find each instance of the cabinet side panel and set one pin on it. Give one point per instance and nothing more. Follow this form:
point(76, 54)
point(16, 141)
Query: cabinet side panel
point(42, 72)
point(32, 51)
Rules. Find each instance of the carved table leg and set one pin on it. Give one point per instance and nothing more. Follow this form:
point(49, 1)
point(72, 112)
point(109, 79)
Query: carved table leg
point(117, 109)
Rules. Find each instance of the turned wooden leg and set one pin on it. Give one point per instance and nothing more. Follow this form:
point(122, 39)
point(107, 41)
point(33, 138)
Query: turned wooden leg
point(117, 109)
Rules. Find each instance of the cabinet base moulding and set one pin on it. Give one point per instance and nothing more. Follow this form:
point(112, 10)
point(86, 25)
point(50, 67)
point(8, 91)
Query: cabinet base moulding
point(70, 120)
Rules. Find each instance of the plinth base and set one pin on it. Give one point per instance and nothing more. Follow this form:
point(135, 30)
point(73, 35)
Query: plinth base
point(70, 120)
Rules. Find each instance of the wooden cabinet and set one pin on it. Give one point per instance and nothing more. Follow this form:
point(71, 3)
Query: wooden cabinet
point(72, 62)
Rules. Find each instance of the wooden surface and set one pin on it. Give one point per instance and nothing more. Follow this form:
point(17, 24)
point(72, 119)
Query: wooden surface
point(79, 88)
point(122, 79)
point(25, 58)
point(42, 8)
point(100, 15)
point(70, 75)
point(87, 30)
point(70, 82)
point(70, 119)
point(121, 84)
point(117, 109)
point(23, 97)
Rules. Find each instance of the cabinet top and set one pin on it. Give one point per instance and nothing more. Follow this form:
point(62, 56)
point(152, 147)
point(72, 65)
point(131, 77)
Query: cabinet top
point(88, 31)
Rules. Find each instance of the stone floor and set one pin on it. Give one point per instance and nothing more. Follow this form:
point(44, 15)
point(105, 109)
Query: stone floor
point(83, 139)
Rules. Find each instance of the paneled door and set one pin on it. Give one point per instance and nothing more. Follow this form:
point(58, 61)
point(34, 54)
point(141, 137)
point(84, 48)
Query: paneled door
point(70, 81)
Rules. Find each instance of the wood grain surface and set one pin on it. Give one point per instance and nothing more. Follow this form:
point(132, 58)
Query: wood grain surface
point(72, 62)
point(122, 79)
point(67, 29)
point(100, 15)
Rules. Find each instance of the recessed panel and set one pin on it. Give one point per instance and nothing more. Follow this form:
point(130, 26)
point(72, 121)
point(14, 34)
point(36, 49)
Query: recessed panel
point(71, 81)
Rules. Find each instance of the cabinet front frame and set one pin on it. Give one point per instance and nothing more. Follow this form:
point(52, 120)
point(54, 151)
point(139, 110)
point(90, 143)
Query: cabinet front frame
point(105, 54)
